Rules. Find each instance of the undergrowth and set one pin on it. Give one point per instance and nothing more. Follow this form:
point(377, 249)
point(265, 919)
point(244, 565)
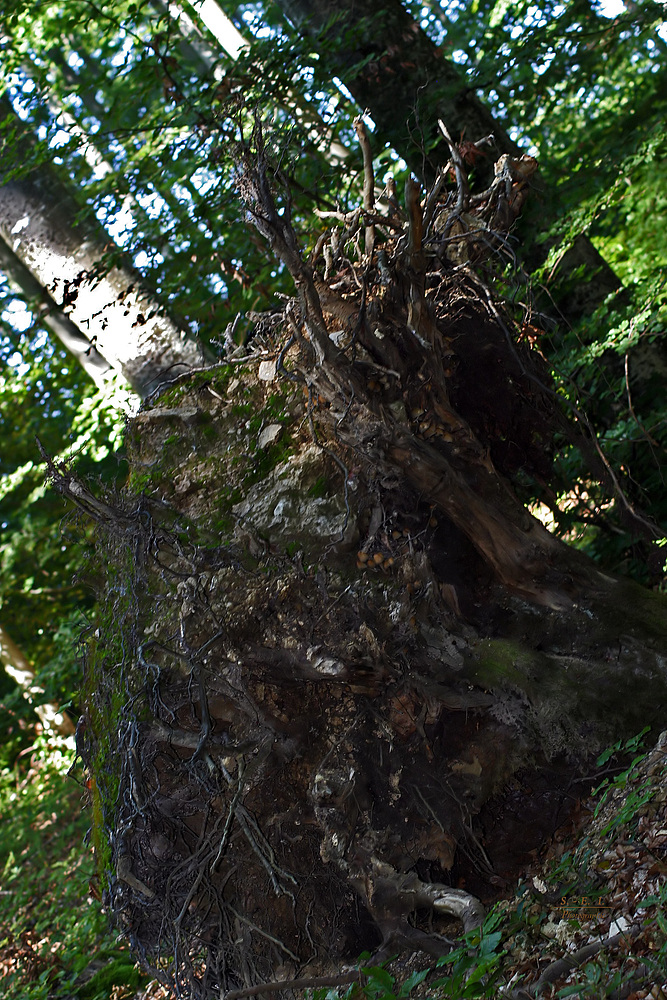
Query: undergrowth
point(55, 941)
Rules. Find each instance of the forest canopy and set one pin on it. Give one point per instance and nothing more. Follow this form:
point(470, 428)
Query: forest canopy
point(188, 186)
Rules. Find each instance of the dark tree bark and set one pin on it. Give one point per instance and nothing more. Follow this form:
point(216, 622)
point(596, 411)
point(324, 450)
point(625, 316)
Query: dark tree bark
point(391, 67)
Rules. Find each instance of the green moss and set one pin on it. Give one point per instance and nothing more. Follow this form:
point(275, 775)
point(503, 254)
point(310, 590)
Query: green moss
point(500, 662)
point(117, 972)
point(209, 431)
point(217, 379)
point(223, 525)
point(319, 488)
point(643, 612)
point(138, 482)
point(268, 458)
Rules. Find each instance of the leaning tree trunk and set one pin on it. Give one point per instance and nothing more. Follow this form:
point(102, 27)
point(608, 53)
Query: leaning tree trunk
point(392, 67)
point(330, 632)
point(22, 672)
point(49, 233)
point(82, 271)
point(53, 317)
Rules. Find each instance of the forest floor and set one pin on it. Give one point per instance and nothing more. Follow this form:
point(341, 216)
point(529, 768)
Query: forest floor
point(588, 919)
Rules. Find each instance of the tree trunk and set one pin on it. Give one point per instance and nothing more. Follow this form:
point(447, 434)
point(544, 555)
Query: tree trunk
point(66, 251)
point(331, 634)
point(21, 671)
point(52, 316)
point(392, 67)
point(49, 233)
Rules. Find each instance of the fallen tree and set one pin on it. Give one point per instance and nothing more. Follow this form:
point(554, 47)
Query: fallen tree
point(330, 632)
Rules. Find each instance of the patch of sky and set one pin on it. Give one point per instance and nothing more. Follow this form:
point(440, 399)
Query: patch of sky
point(17, 315)
point(16, 361)
point(101, 170)
point(450, 9)
point(179, 144)
point(547, 59)
point(522, 140)
point(153, 204)
point(611, 8)
point(328, 103)
point(118, 223)
point(19, 107)
point(535, 18)
point(74, 60)
point(203, 180)
point(253, 16)
point(143, 259)
point(217, 285)
point(343, 89)
point(181, 193)
point(306, 73)
point(389, 175)
point(120, 58)
point(59, 139)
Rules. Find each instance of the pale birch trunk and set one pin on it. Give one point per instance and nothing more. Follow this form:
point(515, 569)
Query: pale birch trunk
point(21, 670)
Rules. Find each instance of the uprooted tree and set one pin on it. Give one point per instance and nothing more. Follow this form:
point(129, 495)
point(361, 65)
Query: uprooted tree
point(330, 632)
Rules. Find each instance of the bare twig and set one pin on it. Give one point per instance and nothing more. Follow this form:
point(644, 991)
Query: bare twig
point(298, 984)
point(369, 182)
point(415, 230)
point(459, 169)
point(434, 194)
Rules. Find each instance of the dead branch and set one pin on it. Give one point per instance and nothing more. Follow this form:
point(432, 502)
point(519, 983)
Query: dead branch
point(305, 983)
point(369, 183)
point(463, 191)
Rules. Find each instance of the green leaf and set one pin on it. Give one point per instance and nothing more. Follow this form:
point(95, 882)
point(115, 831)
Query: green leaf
point(377, 974)
point(489, 943)
point(414, 979)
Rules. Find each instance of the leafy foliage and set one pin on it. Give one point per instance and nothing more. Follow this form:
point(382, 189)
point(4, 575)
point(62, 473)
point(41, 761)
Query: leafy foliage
point(134, 105)
point(44, 394)
point(54, 940)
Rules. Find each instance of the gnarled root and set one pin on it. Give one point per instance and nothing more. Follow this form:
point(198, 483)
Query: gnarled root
point(391, 896)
